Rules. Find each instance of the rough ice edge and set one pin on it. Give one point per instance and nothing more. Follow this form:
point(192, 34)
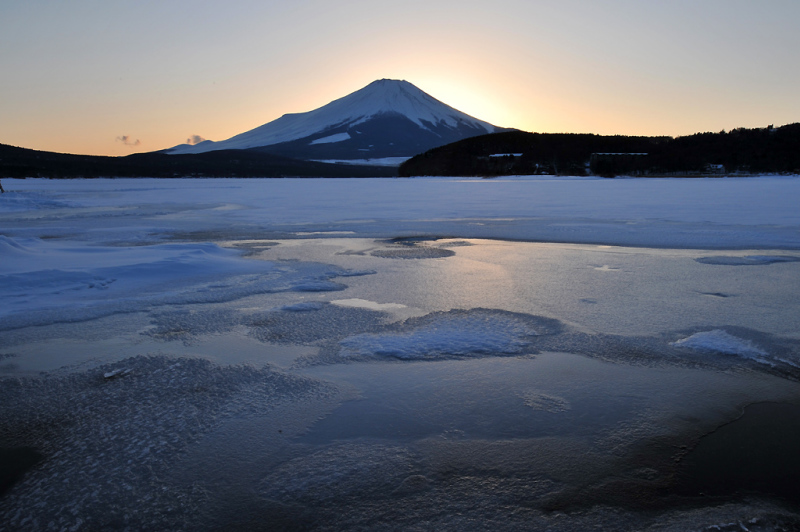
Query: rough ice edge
point(719, 341)
point(450, 336)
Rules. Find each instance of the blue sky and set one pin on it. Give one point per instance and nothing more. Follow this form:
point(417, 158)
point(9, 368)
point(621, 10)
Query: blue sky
point(107, 77)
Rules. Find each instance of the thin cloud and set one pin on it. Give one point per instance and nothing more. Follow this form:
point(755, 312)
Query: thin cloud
point(128, 141)
point(195, 139)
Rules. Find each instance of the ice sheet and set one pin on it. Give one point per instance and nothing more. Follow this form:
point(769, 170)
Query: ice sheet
point(755, 213)
point(102, 435)
point(460, 413)
point(45, 282)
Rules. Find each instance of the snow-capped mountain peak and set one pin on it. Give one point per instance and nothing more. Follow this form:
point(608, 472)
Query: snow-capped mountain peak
point(336, 122)
point(400, 97)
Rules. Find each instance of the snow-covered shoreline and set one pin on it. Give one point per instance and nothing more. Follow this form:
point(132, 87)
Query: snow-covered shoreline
point(736, 213)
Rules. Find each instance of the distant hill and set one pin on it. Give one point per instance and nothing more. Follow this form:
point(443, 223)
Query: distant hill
point(22, 162)
point(387, 118)
point(760, 150)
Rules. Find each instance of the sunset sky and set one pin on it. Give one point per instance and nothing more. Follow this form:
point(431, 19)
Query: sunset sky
point(112, 78)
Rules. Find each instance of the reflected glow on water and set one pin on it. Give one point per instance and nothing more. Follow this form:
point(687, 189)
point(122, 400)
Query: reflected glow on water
point(629, 291)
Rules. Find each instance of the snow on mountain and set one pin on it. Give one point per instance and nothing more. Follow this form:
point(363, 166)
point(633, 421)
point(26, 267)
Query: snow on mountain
point(338, 137)
point(387, 118)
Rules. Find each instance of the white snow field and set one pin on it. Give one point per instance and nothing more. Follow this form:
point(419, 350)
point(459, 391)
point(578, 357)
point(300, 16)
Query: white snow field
point(521, 353)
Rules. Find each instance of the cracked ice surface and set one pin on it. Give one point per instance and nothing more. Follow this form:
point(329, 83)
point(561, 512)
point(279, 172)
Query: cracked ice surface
point(110, 442)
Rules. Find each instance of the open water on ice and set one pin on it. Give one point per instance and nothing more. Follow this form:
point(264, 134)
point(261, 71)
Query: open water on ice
point(212, 380)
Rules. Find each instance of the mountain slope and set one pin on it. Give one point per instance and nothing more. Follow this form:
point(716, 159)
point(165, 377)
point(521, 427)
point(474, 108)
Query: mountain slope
point(387, 118)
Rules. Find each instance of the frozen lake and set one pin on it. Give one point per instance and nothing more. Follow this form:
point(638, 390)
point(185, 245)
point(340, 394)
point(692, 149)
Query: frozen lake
point(507, 354)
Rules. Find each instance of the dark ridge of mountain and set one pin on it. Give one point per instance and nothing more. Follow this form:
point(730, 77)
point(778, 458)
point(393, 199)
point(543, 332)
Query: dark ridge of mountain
point(744, 151)
point(387, 118)
point(23, 162)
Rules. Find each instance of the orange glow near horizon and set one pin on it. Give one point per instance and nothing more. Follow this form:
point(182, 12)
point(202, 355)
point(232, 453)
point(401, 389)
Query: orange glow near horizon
point(79, 78)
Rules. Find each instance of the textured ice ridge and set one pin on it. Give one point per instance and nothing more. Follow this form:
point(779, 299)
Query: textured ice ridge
point(720, 341)
point(111, 435)
point(477, 332)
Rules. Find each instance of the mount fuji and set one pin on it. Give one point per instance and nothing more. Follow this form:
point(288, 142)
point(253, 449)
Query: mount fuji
point(387, 119)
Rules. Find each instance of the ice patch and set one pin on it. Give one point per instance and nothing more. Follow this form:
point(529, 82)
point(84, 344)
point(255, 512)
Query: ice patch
point(750, 260)
point(413, 252)
point(47, 282)
point(456, 244)
point(21, 201)
point(307, 306)
point(371, 305)
point(542, 401)
point(355, 273)
point(9, 245)
point(719, 341)
point(327, 322)
point(445, 335)
point(318, 286)
point(343, 472)
point(119, 372)
point(606, 268)
point(109, 444)
point(184, 325)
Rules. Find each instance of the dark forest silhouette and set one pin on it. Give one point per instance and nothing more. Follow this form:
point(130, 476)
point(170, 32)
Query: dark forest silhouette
point(743, 151)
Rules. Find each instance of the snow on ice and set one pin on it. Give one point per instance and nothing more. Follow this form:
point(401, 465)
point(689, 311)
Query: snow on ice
point(455, 334)
point(719, 341)
point(49, 281)
point(754, 213)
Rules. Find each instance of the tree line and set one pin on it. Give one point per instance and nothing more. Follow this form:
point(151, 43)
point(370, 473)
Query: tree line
point(742, 151)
